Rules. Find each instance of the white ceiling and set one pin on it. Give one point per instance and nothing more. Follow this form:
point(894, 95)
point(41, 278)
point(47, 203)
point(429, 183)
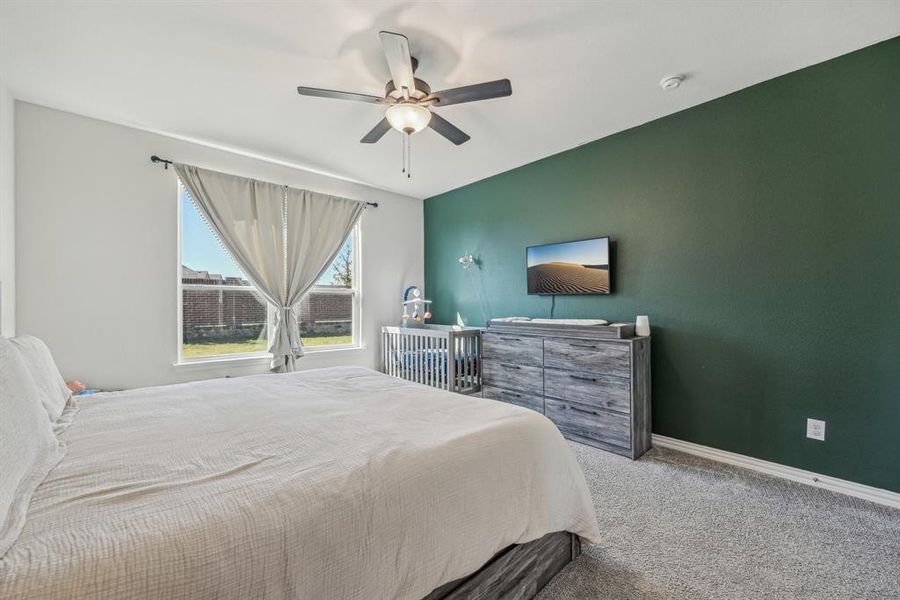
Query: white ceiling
point(226, 73)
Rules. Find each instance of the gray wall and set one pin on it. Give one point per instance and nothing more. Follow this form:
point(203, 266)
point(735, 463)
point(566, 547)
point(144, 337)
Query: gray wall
point(96, 228)
point(7, 213)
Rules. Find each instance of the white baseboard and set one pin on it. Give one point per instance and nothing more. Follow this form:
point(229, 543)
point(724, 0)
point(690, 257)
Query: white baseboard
point(834, 484)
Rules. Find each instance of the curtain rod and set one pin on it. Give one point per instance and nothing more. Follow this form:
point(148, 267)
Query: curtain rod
point(166, 162)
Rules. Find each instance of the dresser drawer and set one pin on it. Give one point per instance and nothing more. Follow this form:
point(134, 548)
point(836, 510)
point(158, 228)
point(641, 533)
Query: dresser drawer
point(519, 350)
point(590, 356)
point(599, 391)
point(531, 401)
point(584, 423)
point(513, 377)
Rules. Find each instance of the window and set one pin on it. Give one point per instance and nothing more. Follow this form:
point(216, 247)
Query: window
point(327, 313)
point(223, 316)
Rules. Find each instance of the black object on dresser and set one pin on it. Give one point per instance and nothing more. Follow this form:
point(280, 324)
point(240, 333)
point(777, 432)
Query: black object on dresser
point(592, 381)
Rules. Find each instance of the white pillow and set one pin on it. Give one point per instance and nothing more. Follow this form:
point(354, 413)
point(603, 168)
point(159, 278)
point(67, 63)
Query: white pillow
point(54, 393)
point(28, 447)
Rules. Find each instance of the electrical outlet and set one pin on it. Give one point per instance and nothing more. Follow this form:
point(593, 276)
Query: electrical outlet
point(815, 429)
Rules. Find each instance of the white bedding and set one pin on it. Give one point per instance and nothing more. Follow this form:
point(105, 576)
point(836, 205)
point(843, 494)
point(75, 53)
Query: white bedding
point(333, 483)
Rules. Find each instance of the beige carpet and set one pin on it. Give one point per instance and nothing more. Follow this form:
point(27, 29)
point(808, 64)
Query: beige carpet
point(677, 526)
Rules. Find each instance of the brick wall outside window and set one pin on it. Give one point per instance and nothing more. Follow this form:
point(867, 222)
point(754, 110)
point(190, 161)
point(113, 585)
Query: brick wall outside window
point(240, 314)
point(326, 313)
point(219, 314)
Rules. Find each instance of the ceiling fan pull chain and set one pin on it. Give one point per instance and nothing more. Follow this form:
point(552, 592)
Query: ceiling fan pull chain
point(406, 149)
point(409, 156)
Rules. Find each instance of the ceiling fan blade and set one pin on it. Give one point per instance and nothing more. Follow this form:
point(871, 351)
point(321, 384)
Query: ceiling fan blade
point(377, 132)
point(473, 93)
point(396, 50)
point(448, 129)
point(320, 93)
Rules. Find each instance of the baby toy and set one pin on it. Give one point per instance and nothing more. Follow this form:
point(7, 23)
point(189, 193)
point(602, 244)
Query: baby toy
point(419, 306)
point(79, 389)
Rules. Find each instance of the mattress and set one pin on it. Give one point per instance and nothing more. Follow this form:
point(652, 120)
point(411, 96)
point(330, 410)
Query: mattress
point(331, 483)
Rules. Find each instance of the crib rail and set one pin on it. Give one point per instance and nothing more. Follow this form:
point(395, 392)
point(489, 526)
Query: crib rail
point(440, 356)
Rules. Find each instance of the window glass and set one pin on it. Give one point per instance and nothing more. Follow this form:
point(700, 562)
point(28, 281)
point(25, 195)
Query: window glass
point(326, 313)
point(221, 313)
point(340, 273)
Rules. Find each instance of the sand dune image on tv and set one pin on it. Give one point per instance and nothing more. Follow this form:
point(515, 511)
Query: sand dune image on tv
point(580, 267)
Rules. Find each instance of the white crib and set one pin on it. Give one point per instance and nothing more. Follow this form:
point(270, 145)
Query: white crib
point(442, 356)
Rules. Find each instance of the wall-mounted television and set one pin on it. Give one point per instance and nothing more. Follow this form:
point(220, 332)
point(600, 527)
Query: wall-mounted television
point(578, 267)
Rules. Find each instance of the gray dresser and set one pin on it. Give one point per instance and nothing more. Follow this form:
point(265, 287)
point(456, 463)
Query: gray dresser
point(594, 387)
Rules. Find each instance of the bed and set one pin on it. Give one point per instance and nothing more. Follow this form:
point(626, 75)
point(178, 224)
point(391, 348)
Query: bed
point(330, 483)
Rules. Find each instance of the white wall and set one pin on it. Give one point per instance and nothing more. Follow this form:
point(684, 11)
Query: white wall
point(96, 227)
point(7, 213)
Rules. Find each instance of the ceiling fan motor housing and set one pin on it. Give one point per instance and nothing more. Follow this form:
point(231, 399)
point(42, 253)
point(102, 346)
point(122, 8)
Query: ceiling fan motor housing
point(422, 91)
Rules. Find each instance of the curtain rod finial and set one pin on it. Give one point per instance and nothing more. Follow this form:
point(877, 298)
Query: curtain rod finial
point(156, 159)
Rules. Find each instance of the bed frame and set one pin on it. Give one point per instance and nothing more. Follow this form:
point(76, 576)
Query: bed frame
point(518, 572)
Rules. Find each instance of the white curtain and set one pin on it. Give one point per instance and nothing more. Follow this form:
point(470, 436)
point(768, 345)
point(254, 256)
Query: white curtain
point(282, 238)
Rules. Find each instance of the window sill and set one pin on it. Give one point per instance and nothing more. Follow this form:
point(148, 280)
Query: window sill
point(249, 360)
point(330, 349)
point(223, 361)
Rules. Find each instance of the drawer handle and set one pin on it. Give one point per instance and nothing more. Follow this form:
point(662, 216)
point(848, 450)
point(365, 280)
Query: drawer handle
point(505, 393)
point(582, 410)
point(507, 366)
point(584, 346)
point(512, 339)
point(583, 378)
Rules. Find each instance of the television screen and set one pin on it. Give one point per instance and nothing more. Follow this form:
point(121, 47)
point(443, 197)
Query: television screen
point(580, 267)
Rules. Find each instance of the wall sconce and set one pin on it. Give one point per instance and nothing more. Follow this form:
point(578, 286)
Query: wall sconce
point(467, 261)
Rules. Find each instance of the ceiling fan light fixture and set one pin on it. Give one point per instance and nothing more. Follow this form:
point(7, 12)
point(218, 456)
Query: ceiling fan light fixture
point(407, 117)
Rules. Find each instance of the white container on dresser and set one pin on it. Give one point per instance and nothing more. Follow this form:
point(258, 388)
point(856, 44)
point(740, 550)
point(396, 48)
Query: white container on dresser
point(593, 382)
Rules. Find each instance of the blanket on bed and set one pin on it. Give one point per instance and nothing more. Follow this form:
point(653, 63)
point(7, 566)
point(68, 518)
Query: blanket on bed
point(333, 483)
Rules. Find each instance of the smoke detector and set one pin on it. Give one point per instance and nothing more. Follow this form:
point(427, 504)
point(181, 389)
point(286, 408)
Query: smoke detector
point(671, 82)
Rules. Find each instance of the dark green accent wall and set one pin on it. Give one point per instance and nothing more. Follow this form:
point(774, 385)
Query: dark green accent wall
point(761, 233)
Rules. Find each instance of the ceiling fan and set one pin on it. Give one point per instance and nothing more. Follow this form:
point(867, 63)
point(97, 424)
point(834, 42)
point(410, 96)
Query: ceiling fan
point(409, 100)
